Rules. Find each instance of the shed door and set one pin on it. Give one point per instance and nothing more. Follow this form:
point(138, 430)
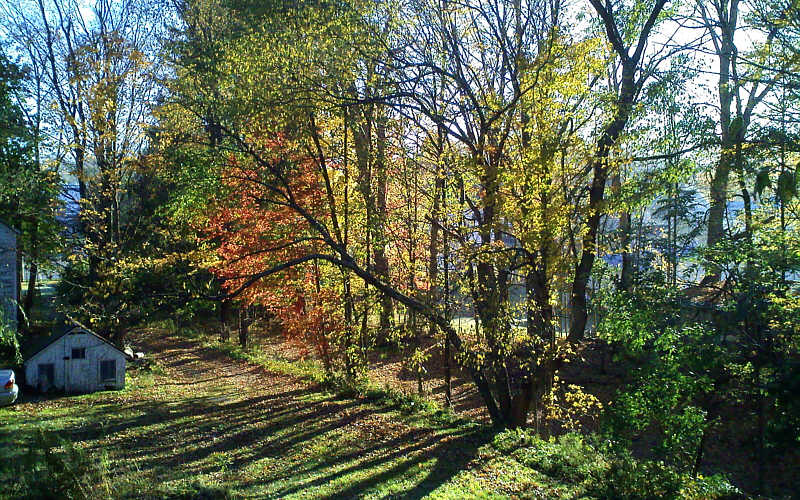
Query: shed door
point(78, 370)
point(46, 376)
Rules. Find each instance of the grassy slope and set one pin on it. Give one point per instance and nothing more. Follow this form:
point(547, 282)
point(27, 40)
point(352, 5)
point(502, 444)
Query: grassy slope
point(200, 418)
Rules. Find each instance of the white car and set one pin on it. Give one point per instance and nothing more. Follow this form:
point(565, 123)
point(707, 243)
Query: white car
point(8, 387)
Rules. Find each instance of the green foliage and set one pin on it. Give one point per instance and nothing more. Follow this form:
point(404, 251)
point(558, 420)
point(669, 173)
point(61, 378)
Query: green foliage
point(9, 342)
point(52, 468)
point(629, 479)
point(519, 118)
point(787, 187)
point(29, 189)
point(197, 491)
point(568, 457)
point(606, 472)
point(674, 364)
point(761, 313)
point(150, 274)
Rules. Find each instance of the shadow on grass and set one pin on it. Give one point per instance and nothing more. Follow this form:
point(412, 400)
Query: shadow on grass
point(284, 438)
point(395, 461)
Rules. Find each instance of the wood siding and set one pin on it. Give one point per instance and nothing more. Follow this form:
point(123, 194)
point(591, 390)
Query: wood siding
point(76, 375)
point(8, 275)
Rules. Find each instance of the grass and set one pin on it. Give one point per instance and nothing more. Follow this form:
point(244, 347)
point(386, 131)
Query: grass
point(205, 421)
point(175, 432)
point(415, 407)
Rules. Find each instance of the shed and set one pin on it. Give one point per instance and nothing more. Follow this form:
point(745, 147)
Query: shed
point(76, 360)
point(8, 275)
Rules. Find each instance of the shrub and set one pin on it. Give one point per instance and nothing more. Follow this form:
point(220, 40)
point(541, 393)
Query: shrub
point(9, 342)
point(627, 478)
point(606, 472)
point(569, 457)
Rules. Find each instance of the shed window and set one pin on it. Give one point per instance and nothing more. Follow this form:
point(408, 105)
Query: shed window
point(47, 373)
point(108, 369)
point(78, 353)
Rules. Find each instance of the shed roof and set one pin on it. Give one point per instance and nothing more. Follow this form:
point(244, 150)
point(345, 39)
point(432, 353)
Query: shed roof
point(41, 343)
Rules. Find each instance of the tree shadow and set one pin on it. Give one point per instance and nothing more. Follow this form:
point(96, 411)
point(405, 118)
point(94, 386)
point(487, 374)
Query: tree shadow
point(187, 428)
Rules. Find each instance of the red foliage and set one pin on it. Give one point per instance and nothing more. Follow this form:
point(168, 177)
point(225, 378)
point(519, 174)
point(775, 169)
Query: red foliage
point(254, 231)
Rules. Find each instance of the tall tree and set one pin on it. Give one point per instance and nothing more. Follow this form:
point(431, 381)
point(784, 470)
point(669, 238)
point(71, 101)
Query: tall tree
point(744, 82)
point(29, 189)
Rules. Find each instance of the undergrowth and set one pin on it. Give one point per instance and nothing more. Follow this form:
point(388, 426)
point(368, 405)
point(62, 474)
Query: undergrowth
point(604, 471)
point(55, 468)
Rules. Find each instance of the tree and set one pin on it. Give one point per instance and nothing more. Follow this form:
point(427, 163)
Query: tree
point(745, 80)
point(29, 189)
point(488, 112)
point(97, 65)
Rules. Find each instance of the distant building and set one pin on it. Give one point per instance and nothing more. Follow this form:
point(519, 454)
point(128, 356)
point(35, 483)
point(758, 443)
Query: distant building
point(76, 360)
point(69, 215)
point(8, 274)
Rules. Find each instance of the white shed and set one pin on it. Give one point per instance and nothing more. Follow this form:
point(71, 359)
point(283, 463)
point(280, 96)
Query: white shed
point(75, 360)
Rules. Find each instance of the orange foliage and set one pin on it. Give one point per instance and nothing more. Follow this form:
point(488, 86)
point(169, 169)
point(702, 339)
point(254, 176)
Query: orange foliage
point(254, 231)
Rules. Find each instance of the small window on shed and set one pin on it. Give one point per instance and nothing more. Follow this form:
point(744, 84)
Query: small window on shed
point(78, 353)
point(108, 369)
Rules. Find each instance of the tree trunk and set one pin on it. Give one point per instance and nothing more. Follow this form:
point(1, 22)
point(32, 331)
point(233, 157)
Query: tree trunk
point(21, 319)
point(624, 233)
point(371, 182)
point(33, 270)
point(27, 306)
point(600, 168)
point(119, 337)
point(448, 389)
point(433, 266)
point(379, 228)
point(716, 212)
point(224, 320)
point(244, 326)
point(718, 193)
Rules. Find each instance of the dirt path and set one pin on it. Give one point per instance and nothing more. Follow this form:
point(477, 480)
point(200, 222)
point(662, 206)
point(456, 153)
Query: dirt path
point(187, 361)
point(387, 369)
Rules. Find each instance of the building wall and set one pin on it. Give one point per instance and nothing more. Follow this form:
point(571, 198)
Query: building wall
point(8, 274)
point(76, 375)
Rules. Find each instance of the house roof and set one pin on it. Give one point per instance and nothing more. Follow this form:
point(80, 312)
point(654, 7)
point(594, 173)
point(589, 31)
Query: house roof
point(41, 343)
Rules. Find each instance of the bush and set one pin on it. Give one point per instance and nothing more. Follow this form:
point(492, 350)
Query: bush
point(604, 472)
point(568, 458)
point(9, 342)
point(627, 478)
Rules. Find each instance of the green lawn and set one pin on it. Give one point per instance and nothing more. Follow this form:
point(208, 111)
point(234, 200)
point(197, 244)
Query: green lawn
point(200, 420)
point(206, 422)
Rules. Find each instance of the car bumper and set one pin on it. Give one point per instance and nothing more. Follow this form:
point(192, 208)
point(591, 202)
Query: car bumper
point(8, 397)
